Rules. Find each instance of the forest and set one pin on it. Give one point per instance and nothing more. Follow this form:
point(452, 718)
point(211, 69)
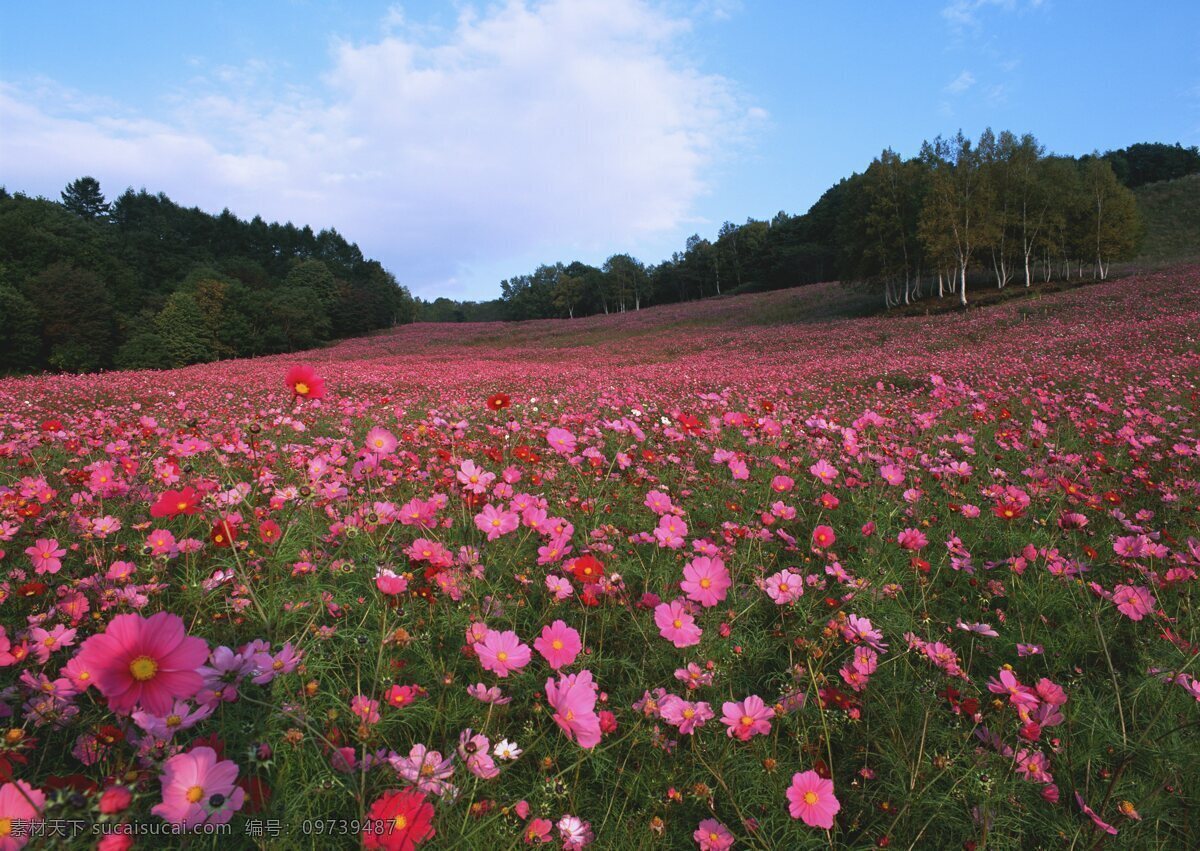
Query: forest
point(961, 213)
point(142, 282)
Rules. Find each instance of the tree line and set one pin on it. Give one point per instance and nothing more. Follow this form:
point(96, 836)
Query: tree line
point(142, 282)
point(961, 213)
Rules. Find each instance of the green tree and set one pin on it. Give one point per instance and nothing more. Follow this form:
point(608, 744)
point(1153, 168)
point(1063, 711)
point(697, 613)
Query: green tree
point(959, 202)
point(185, 333)
point(20, 331)
point(77, 317)
point(84, 198)
point(1111, 220)
point(144, 350)
point(568, 293)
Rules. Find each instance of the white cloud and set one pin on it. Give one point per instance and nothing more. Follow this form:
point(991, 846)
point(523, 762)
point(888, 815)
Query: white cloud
point(960, 83)
point(564, 125)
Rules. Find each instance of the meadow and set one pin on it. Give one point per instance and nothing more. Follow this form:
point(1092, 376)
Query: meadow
point(741, 573)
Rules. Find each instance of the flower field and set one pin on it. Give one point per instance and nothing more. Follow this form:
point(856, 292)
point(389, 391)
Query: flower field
point(705, 576)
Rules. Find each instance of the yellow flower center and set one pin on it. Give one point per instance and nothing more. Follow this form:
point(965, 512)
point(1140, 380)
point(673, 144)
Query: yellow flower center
point(174, 720)
point(705, 582)
point(747, 720)
point(180, 506)
point(677, 623)
point(301, 388)
point(810, 798)
point(401, 822)
point(557, 644)
point(5, 826)
point(502, 656)
point(194, 795)
point(688, 713)
point(143, 668)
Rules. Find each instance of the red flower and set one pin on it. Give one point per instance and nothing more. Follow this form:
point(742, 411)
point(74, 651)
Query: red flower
point(269, 531)
point(174, 503)
point(587, 568)
point(399, 821)
point(498, 401)
point(223, 533)
point(305, 382)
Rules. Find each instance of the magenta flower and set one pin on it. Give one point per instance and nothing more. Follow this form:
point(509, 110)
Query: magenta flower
point(573, 699)
point(559, 644)
point(823, 537)
point(197, 789)
point(145, 662)
point(494, 522)
point(676, 625)
point(18, 801)
point(912, 539)
point(425, 769)
point(1133, 601)
point(784, 587)
point(45, 555)
point(684, 714)
point(705, 580)
point(747, 718)
point(381, 441)
point(711, 835)
point(561, 440)
point(811, 799)
point(502, 652)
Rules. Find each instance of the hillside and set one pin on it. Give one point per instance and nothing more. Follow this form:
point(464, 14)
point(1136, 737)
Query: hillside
point(641, 577)
point(1171, 216)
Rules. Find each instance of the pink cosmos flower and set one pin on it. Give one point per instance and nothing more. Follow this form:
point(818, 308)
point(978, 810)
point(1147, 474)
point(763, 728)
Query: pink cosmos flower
point(197, 789)
point(495, 522)
point(670, 532)
point(892, 474)
point(1133, 601)
point(784, 587)
point(181, 717)
point(381, 441)
point(425, 769)
point(747, 718)
point(705, 580)
point(676, 625)
point(1090, 813)
point(811, 799)
point(824, 471)
point(46, 642)
point(912, 539)
point(365, 709)
point(474, 478)
point(561, 441)
point(711, 835)
point(21, 801)
point(145, 662)
point(389, 582)
point(823, 537)
point(502, 652)
point(45, 555)
point(684, 714)
point(559, 644)
point(573, 699)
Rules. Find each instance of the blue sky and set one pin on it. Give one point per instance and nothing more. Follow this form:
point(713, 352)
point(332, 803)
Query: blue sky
point(461, 143)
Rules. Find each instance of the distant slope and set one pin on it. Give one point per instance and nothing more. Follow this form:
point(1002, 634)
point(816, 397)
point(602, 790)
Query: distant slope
point(1171, 213)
